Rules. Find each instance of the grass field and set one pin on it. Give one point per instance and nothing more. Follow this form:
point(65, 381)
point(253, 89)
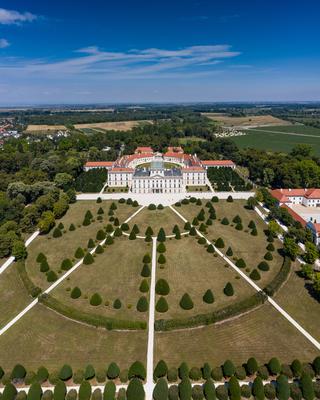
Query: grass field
point(118, 126)
point(115, 274)
point(280, 138)
point(43, 128)
point(43, 337)
point(187, 139)
point(157, 219)
point(251, 248)
point(57, 249)
point(251, 120)
point(191, 269)
point(263, 333)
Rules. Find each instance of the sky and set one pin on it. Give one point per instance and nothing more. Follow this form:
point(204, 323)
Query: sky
point(126, 51)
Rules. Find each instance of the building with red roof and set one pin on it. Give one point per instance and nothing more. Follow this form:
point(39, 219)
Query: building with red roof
point(306, 197)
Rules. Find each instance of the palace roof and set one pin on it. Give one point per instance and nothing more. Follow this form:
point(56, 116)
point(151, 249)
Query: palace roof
point(97, 164)
point(283, 195)
point(218, 163)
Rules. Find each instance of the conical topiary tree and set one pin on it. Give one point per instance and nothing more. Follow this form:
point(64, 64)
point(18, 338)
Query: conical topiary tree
point(149, 231)
point(263, 266)
point(100, 211)
point(225, 221)
point(109, 228)
point(90, 244)
point(41, 257)
point(202, 228)
point(109, 240)
point(51, 276)
point(195, 221)
point(117, 232)
point(144, 286)
point(132, 236)
point(161, 369)
point(229, 252)
point(228, 289)
point(146, 259)
point(44, 266)
point(208, 297)
point(142, 305)
point(162, 287)
point(239, 227)
point(161, 248)
point(95, 299)
point(193, 231)
point(148, 238)
point(219, 243)
point(145, 271)
point(100, 235)
point(161, 259)
point(124, 227)
point(88, 259)
point(175, 229)
point(135, 229)
point(186, 303)
point(255, 275)
point(268, 256)
point(237, 219)
point(161, 235)
point(79, 253)
point(270, 247)
point(210, 248)
point(117, 304)
point(99, 249)
point(251, 225)
point(57, 233)
point(113, 371)
point(66, 264)
point(254, 232)
point(187, 226)
point(75, 293)
point(240, 263)
point(162, 305)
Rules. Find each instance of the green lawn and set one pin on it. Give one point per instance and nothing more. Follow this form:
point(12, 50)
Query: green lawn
point(251, 248)
point(269, 138)
point(13, 295)
point(157, 219)
point(262, 333)
point(191, 269)
point(43, 337)
point(57, 249)
point(115, 274)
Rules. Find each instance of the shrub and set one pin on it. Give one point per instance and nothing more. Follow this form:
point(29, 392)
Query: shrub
point(125, 227)
point(172, 374)
point(255, 275)
point(197, 392)
point(95, 299)
point(79, 253)
point(99, 249)
point(258, 389)
point(161, 235)
point(229, 252)
point(109, 228)
point(240, 373)
point(162, 287)
point(239, 227)
point(246, 391)
point(230, 199)
point(152, 207)
point(54, 377)
point(263, 266)
point(135, 390)
point(56, 233)
point(146, 259)
point(225, 221)
point(222, 392)
point(113, 371)
point(195, 374)
point(160, 207)
point(142, 305)
point(44, 266)
point(162, 305)
point(75, 293)
point(268, 256)
point(137, 370)
point(219, 243)
point(59, 391)
point(240, 263)
point(78, 376)
point(193, 231)
point(306, 385)
point(35, 392)
point(269, 391)
point(9, 392)
point(295, 392)
point(145, 271)
point(85, 391)
point(30, 378)
point(185, 389)
point(282, 388)
point(51, 276)
point(89, 372)
point(100, 235)
point(65, 373)
point(263, 372)
point(42, 374)
point(186, 303)
point(270, 247)
point(234, 389)
point(254, 232)
point(144, 286)
point(161, 259)
point(109, 392)
point(22, 395)
point(251, 366)
point(274, 366)
point(88, 259)
point(228, 368)
point(208, 297)
point(183, 370)
point(161, 369)
point(161, 248)
point(316, 365)
point(117, 304)
point(209, 390)
point(149, 231)
point(296, 367)
point(101, 375)
point(41, 257)
point(228, 289)
point(96, 395)
point(210, 249)
point(109, 240)
point(173, 393)
point(66, 264)
point(160, 391)
point(286, 370)
point(217, 374)
point(206, 371)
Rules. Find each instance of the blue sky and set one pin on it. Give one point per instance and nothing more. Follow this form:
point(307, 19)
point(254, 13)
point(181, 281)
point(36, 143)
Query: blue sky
point(103, 51)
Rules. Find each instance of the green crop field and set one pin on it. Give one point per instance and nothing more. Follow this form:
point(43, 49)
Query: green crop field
point(280, 138)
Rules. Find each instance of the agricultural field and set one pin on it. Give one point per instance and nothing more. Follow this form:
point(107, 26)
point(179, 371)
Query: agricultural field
point(280, 138)
point(108, 126)
point(44, 128)
point(241, 122)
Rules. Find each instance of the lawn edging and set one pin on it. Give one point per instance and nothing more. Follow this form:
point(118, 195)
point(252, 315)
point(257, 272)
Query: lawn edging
point(281, 277)
point(33, 290)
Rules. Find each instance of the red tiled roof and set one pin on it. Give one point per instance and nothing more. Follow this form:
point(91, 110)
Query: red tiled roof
point(144, 150)
point(173, 154)
point(295, 215)
point(172, 149)
point(99, 164)
point(317, 227)
point(121, 169)
point(193, 168)
point(218, 162)
point(283, 195)
point(313, 194)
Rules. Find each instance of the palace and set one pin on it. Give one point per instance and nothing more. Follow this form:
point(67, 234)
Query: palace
point(147, 171)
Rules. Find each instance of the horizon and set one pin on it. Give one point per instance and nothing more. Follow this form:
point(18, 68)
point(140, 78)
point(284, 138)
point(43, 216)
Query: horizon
point(200, 52)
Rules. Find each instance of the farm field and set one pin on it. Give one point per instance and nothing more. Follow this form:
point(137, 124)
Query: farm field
point(251, 249)
point(251, 120)
point(262, 332)
point(43, 337)
point(279, 138)
point(57, 249)
point(157, 219)
point(43, 128)
point(118, 126)
point(189, 268)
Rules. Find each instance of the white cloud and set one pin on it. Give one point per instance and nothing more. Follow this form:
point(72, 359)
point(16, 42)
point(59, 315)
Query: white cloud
point(4, 43)
point(9, 17)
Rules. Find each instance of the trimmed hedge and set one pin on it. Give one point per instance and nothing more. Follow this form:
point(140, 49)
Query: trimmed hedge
point(91, 318)
point(88, 259)
point(208, 297)
point(137, 370)
point(279, 279)
point(33, 290)
point(113, 371)
point(228, 289)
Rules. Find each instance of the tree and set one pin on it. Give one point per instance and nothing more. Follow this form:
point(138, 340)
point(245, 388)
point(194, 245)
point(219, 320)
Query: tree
point(35, 391)
point(208, 297)
point(149, 231)
point(240, 263)
point(145, 271)
point(100, 235)
point(142, 305)
point(234, 389)
point(66, 264)
point(161, 235)
point(316, 365)
point(9, 392)
point(219, 243)
point(88, 259)
point(65, 373)
point(209, 390)
point(160, 391)
point(274, 228)
point(274, 366)
point(263, 266)
point(161, 248)
point(185, 389)
point(85, 391)
point(117, 304)
point(135, 390)
point(162, 305)
point(255, 275)
point(228, 289)
point(18, 372)
point(19, 250)
point(46, 222)
point(228, 368)
point(135, 229)
point(51, 276)
point(59, 391)
point(146, 259)
point(42, 374)
point(90, 244)
point(161, 369)
point(162, 287)
point(210, 249)
point(225, 221)
point(75, 293)
point(229, 199)
point(137, 370)
point(311, 253)
point(144, 286)
point(257, 388)
point(290, 247)
point(251, 366)
point(186, 303)
point(161, 259)
point(307, 387)
point(113, 371)
point(296, 367)
point(109, 392)
point(79, 253)
point(95, 299)
point(56, 233)
point(282, 388)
